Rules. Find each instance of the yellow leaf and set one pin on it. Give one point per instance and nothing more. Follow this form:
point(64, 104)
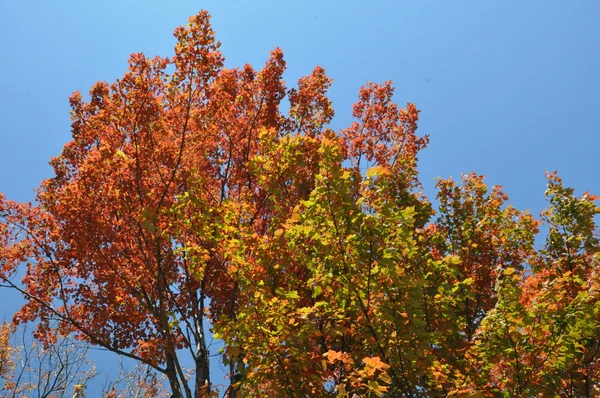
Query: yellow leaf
point(376, 363)
point(122, 155)
point(377, 170)
point(385, 378)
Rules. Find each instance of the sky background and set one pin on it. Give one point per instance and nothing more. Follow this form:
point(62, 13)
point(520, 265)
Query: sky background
point(508, 89)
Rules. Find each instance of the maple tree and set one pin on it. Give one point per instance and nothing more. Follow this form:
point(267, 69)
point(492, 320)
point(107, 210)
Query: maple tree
point(187, 196)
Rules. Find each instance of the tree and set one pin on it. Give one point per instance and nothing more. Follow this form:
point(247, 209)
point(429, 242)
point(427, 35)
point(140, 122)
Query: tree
point(29, 369)
point(62, 368)
point(542, 338)
point(187, 196)
point(107, 248)
point(139, 381)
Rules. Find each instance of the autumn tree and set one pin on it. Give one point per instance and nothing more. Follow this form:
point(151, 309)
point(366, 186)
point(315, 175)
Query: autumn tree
point(107, 247)
point(543, 336)
point(28, 368)
point(187, 196)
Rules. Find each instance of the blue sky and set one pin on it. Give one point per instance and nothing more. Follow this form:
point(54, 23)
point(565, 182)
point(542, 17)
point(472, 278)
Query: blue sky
point(507, 88)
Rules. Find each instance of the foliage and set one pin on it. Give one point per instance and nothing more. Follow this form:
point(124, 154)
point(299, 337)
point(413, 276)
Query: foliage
point(186, 195)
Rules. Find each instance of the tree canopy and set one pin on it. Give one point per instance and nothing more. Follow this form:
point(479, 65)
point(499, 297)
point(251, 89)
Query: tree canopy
point(188, 197)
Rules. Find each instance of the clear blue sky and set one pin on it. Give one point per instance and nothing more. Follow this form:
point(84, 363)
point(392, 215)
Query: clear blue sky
point(508, 89)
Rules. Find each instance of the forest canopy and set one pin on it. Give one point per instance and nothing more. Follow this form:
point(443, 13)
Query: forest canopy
point(187, 200)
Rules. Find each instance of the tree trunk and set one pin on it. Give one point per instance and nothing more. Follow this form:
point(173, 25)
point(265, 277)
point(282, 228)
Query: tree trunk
point(171, 373)
point(235, 374)
point(202, 388)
